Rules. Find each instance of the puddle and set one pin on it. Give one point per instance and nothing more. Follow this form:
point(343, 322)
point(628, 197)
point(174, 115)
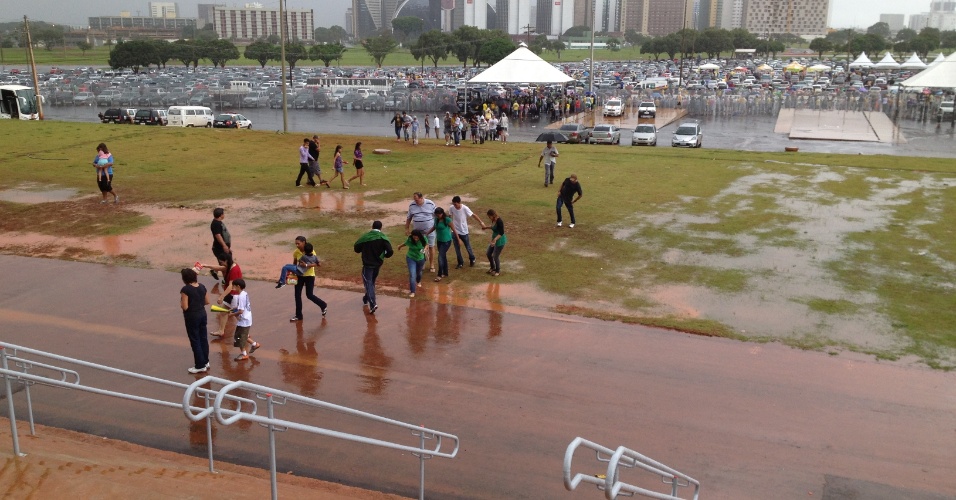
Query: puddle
point(34, 193)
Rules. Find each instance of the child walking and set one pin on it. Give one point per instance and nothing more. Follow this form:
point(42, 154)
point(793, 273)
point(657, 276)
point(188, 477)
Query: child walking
point(338, 167)
point(359, 166)
point(242, 310)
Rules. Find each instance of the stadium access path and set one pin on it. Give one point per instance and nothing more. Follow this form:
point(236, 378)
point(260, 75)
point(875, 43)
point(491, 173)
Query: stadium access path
point(747, 420)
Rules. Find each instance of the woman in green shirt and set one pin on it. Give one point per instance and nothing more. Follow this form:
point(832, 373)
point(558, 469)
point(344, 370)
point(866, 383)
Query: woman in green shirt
point(444, 232)
point(498, 240)
point(415, 258)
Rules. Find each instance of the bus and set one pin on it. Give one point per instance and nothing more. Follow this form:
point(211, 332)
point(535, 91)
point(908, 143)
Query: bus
point(18, 102)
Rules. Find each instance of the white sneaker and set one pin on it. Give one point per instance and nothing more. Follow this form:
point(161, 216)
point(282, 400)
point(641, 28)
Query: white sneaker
point(570, 225)
point(559, 224)
point(411, 295)
point(192, 369)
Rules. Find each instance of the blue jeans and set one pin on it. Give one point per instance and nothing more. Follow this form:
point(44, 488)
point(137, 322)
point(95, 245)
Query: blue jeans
point(369, 275)
point(557, 207)
point(457, 135)
point(494, 257)
point(288, 268)
point(443, 247)
point(415, 270)
point(466, 241)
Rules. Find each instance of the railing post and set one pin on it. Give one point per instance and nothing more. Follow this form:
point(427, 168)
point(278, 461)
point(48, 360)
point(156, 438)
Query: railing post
point(10, 409)
point(26, 387)
point(209, 434)
point(421, 460)
point(272, 448)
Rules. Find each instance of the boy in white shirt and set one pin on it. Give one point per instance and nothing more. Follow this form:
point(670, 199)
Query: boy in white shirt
point(242, 310)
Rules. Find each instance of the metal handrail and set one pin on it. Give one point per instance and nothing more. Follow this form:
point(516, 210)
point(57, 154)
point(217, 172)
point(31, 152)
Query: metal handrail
point(11, 353)
point(275, 397)
point(610, 482)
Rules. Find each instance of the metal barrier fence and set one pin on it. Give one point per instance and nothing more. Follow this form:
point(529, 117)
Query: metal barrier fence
point(275, 397)
point(610, 482)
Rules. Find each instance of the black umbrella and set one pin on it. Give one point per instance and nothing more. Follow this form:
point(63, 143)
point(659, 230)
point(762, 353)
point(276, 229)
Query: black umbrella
point(552, 137)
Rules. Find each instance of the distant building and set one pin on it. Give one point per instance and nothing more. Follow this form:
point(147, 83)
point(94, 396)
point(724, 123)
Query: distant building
point(163, 9)
point(918, 21)
point(205, 13)
point(554, 17)
point(253, 22)
point(582, 12)
point(800, 17)
point(130, 27)
point(941, 15)
point(349, 20)
point(896, 22)
point(369, 17)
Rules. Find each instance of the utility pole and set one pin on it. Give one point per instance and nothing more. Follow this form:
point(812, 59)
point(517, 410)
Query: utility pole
point(285, 110)
point(529, 30)
point(33, 67)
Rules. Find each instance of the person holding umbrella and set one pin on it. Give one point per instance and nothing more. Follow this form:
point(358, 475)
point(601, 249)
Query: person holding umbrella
point(549, 156)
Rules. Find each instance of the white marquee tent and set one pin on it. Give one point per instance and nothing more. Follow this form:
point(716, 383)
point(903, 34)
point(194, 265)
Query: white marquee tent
point(913, 62)
point(942, 75)
point(862, 62)
point(887, 63)
point(521, 66)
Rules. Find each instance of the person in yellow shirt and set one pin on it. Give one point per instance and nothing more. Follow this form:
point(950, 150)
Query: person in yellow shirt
point(305, 259)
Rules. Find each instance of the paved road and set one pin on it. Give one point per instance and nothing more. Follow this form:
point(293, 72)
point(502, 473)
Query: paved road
point(748, 420)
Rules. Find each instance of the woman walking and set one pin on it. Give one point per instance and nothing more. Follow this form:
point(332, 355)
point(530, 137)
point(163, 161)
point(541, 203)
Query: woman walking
point(359, 166)
point(444, 231)
point(304, 256)
point(193, 301)
point(415, 258)
point(498, 240)
point(338, 167)
point(397, 121)
point(104, 172)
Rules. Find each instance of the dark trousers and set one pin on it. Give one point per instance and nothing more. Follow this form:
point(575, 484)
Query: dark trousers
point(307, 282)
point(494, 257)
point(304, 170)
point(466, 241)
point(443, 247)
point(369, 275)
point(557, 208)
point(198, 340)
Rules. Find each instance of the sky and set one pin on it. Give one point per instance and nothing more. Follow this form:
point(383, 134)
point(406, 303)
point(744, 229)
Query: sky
point(843, 13)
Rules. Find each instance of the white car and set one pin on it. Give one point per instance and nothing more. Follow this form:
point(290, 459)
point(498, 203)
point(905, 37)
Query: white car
point(688, 134)
point(646, 109)
point(614, 107)
point(644, 134)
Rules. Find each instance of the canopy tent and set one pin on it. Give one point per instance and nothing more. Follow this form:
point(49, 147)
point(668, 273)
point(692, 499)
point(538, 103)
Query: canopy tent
point(818, 67)
point(794, 67)
point(709, 66)
point(939, 58)
point(913, 62)
point(862, 62)
point(942, 75)
point(521, 66)
point(764, 67)
point(887, 63)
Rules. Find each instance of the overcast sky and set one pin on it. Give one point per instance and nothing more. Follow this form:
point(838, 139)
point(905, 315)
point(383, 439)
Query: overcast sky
point(843, 13)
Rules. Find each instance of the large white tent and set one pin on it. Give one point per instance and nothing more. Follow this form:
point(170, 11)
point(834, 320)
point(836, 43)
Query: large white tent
point(862, 62)
point(521, 66)
point(887, 63)
point(942, 75)
point(913, 62)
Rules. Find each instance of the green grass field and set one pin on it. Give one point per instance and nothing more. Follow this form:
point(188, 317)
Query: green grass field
point(817, 251)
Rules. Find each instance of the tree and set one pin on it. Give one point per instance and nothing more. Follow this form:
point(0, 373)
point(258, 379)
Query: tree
point(186, 52)
point(557, 46)
point(670, 45)
point(923, 45)
point(220, 51)
point(713, 41)
point(433, 45)
point(947, 39)
point(652, 46)
point(164, 52)
point(931, 35)
point(327, 52)
point(262, 52)
point(322, 35)
point(50, 37)
point(379, 47)
point(743, 39)
point(407, 26)
point(870, 43)
point(208, 32)
point(467, 41)
point(294, 52)
point(274, 39)
point(634, 38)
point(879, 29)
point(539, 44)
point(495, 50)
point(577, 31)
point(902, 48)
point(133, 54)
point(840, 37)
point(905, 35)
point(614, 44)
point(83, 45)
point(820, 45)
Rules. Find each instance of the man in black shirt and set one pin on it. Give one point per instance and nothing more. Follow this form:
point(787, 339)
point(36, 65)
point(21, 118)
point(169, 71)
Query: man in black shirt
point(221, 241)
point(375, 248)
point(569, 187)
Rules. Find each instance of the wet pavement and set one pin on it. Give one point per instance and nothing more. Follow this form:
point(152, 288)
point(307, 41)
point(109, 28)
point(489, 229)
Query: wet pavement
point(748, 421)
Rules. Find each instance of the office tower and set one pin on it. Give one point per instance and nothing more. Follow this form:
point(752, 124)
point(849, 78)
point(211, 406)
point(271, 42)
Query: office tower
point(799, 17)
point(371, 17)
point(163, 9)
point(896, 22)
point(253, 23)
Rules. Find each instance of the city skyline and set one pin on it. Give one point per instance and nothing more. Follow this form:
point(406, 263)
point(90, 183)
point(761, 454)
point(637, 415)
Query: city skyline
point(844, 13)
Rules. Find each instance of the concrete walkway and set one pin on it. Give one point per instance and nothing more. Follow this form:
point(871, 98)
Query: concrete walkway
point(837, 126)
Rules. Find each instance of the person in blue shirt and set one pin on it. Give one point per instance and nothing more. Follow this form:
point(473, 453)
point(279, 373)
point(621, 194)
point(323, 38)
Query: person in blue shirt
point(104, 172)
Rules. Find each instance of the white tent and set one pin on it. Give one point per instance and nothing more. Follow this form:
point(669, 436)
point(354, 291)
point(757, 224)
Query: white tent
point(887, 63)
point(913, 62)
point(708, 67)
point(862, 62)
point(521, 66)
point(939, 58)
point(942, 75)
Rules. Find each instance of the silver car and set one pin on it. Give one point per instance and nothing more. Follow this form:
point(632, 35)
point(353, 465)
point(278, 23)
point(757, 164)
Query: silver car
point(644, 134)
point(605, 134)
point(688, 134)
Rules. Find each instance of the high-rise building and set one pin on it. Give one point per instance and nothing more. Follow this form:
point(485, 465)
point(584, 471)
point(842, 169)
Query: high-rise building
point(896, 22)
point(349, 23)
point(205, 13)
point(426, 10)
point(669, 16)
point(918, 21)
point(942, 15)
point(729, 14)
point(582, 12)
point(607, 16)
point(554, 17)
point(635, 14)
point(167, 10)
point(369, 17)
point(799, 17)
point(519, 16)
point(253, 23)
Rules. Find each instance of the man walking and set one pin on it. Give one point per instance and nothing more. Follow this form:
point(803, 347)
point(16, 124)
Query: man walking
point(569, 187)
point(421, 216)
point(549, 155)
point(375, 248)
point(459, 215)
point(221, 241)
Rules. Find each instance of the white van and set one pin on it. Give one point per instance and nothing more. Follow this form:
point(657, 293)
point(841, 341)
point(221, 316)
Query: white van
point(190, 116)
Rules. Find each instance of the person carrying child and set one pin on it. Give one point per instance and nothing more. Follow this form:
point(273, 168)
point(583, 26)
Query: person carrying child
point(305, 261)
point(242, 310)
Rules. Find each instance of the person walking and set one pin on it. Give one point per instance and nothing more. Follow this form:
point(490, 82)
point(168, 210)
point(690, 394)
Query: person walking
point(447, 126)
point(549, 155)
point(444, 233)
point(566, 193)
point(242, 310)
point(359, 165)
point(305, 260)
point(498, 241)
point(415, 259)
point(221, 240)
point(460, 213)
point(193, 301)
point(304, 159)
point(314, 150)
point(415, 126)
point(339, 169)
point(397, 121)
point(421, 216)
point(103, 161)
point(436, 123)
point(503, 123)
point(375, 248)
point(230, 273)
point(406, 124)
point(428, 126)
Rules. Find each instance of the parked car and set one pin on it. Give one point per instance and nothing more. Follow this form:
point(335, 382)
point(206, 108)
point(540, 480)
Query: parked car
point(646, 109)
point(351, 100)
point(117, 115)
point(373, 102)
point(576, 132)
point(645, 134)
point(614, 107)
point(945, 111)
point(688, 134)
point(605, 134)
point(108, 97)
point(84, 99)
point(231, 120)
point(150, 117)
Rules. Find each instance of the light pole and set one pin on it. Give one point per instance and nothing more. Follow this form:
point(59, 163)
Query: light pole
point(285, 111)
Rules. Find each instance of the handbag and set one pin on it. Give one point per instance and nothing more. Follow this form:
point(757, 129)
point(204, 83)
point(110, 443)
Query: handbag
point(291, 278)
